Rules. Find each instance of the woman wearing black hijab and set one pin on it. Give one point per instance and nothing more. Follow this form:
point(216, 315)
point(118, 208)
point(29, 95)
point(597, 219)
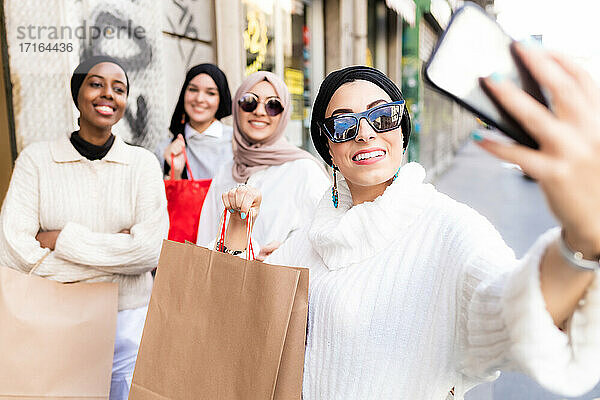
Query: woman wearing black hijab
point(196, 127)
point(412, 293)
point(91, 208)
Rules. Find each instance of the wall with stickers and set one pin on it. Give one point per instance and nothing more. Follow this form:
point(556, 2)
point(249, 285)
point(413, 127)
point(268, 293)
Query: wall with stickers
point(155, 41)
point(188, 33)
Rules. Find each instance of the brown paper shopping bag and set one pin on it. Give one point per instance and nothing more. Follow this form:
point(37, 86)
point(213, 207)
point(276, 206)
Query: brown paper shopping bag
point(56, 339)
point(221, 327)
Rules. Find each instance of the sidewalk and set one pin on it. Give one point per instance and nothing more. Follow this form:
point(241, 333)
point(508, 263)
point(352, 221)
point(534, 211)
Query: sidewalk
point(513, 204)
point(518, 210)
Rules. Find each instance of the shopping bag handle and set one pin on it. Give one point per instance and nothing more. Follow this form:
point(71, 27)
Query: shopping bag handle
point(37, 264)
point(187, 166)
point(249, 248)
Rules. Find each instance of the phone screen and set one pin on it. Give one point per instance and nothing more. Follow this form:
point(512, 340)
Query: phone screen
point(475, 46)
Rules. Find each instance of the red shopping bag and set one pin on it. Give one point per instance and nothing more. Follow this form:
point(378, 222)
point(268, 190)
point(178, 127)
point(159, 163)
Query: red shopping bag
point(184, 203)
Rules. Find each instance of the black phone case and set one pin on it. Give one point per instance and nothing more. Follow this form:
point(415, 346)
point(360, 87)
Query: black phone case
point(512, 129)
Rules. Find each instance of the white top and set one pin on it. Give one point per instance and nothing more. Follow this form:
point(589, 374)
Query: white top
point(214, 130)
point(290, 193)
point(206, 151)
point(414, 293)
point(53, 187)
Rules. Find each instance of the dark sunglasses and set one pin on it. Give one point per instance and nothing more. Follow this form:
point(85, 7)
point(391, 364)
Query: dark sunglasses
point(382, 118)
point(249, 102)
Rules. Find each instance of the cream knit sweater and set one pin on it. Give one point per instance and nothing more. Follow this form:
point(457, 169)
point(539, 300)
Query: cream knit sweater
point(53, 187)
point(414, 293)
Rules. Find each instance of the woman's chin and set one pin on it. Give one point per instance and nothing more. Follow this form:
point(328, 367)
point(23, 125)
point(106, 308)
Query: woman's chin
point(365, 179)
point(257, 137)
point(200, 119)
point(371, 174)
point(103, 123)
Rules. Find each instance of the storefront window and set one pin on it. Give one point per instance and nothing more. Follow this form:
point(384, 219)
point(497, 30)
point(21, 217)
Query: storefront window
point(258, 36)
point(290, 57)
point(371, 34)
point(297, 67)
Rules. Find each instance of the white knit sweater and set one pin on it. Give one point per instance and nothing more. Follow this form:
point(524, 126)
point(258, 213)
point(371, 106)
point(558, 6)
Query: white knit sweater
point(53, 187)
point(414, 293)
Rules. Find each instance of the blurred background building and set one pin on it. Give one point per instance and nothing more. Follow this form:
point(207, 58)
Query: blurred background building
point(301, 40)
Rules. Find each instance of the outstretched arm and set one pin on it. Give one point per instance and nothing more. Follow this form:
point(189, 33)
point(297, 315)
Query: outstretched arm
point(566, 166)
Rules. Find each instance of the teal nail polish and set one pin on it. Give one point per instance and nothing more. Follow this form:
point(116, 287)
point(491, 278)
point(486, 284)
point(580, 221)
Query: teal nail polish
point(530, 43)
point(243, 215)
point(496, 77)
point(231, 210)
point(476, 136)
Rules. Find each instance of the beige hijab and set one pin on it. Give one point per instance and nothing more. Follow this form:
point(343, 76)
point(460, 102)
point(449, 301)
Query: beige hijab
point(250, 157)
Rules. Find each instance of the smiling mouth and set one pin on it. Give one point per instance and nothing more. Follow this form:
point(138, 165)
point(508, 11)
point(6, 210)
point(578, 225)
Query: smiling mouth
point(369, 155)
point(258, 124)
point(105, 110)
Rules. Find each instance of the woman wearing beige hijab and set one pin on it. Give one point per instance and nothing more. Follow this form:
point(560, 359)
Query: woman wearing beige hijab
point(262, 158)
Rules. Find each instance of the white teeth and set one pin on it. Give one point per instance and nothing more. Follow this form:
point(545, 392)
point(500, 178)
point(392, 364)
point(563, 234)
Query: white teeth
point(365, 156)
point(258, 124)
point(105, 109)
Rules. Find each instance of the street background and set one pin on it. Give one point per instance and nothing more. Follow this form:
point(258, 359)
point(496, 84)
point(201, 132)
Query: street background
point(518, 210)
point(302, 41)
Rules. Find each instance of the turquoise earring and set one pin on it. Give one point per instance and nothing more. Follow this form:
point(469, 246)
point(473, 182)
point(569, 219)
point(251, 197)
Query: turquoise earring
point(334, 191)
point(396, 174)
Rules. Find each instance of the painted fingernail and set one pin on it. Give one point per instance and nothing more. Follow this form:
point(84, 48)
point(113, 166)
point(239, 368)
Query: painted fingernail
point(496, 77)
point(243, 215)
point(231, 210)
point(476, 136)
point(530, 43)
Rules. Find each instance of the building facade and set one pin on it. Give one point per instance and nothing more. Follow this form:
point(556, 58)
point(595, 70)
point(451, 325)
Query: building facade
point(300, 40)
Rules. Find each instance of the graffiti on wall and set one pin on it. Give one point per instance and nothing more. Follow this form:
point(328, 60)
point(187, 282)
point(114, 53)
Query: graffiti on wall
point(127, 30)
point(183, 24)
point(191, 22)
point(134, 63)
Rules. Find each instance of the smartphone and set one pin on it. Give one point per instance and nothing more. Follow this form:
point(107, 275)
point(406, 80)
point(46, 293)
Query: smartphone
point(475, 46)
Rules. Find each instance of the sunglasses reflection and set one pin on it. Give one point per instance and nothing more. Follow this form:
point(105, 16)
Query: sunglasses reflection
point(382, 118)
point(249, 102)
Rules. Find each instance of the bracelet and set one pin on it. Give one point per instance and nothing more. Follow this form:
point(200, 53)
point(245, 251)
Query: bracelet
point(221, 245)
point(575, 258)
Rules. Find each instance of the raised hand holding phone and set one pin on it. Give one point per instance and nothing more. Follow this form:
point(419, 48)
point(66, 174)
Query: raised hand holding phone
point(567, 165)
point(474, 46)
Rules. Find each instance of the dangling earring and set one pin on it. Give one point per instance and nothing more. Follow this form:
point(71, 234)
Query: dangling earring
point(395, 175)
point(334, 191)
point(182, 118)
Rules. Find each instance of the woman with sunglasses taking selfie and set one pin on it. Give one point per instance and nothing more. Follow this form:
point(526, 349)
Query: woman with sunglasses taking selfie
point(265, 160)
point(196, 125)
point(412, 293)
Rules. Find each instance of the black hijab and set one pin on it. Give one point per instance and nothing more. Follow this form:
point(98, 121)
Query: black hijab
point(336, 79)
point(84, 68)
point(220, 79)
point(87, 149)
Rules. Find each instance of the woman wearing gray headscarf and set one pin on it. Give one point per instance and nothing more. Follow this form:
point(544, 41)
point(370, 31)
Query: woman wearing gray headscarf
point(264, 159)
